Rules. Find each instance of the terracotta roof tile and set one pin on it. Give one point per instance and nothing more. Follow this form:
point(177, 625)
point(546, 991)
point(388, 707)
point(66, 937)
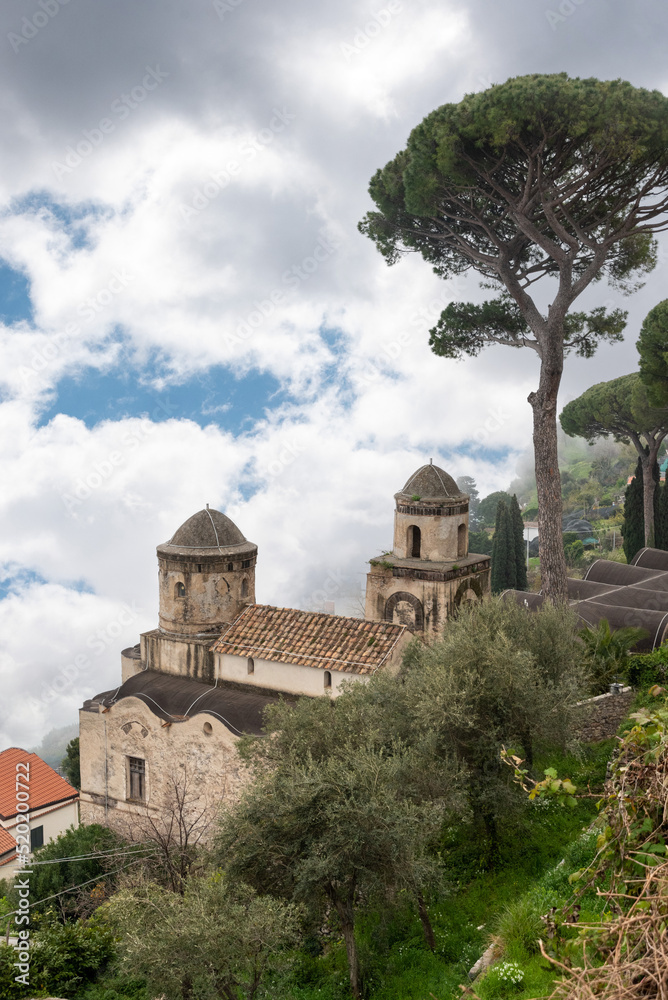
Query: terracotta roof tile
point(310, 639)
point(46, 788)
point(7, 842)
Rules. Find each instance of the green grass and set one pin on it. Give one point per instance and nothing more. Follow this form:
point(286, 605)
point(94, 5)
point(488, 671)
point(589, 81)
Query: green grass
point(498, 893)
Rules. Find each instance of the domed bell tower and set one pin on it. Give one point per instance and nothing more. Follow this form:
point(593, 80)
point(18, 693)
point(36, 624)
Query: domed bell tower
point(207, 574)
point(430, 571)
point(206, 578)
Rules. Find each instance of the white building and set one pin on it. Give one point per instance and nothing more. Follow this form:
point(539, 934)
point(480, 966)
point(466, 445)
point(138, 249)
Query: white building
point(25, 779)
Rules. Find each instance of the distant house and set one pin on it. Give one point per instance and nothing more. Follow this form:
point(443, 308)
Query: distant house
point(25, 779)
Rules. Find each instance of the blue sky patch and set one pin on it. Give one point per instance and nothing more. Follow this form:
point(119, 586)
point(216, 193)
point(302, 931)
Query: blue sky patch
point(215, 396)
point(15, 303)
point(74, 220)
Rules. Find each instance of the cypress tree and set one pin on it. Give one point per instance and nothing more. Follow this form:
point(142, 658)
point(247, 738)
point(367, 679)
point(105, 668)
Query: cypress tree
point(520, 549)
point(504, 573)
point(633, 529)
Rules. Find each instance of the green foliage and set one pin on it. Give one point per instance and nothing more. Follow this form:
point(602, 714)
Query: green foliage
point(619, 409)
point(480, 541)
point(466, 327)
point(607, 652)
point(504, 563)
point(501, 675)
point(340, 806)
point(573, 548)
point(71, 764)
point(215, 940)
point(63, 957)
point(652, 346)
point(115, 987)
point(488, 142)
point(96, 853)
point(467, 485)
point(633, 529)
point(487, 507)
point(542, 176)
point(660, 511)
point(646, 669)
point(519, 926)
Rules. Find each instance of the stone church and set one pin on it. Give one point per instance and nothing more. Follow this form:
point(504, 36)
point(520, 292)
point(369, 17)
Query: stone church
point(203, 678)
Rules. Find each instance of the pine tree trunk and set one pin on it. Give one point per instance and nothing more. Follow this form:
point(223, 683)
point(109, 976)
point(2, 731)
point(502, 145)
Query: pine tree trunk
point(346, 916)
point(648, 486)
point(548, 481)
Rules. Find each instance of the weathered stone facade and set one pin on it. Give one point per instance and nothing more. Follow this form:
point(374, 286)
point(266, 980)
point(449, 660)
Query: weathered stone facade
point(206, 573)
point(194, 685)
point(429, 572)
point(198, 752)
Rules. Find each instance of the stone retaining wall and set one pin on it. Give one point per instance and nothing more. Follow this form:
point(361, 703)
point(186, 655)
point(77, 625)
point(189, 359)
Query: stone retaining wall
point(599, 718)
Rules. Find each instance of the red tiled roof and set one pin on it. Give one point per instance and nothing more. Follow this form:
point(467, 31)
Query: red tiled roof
point(310, 639)
point(45, 787)
point(7, 843)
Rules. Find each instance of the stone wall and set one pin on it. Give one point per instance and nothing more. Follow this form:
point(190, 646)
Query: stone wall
point(599, 718)
point(198, 753)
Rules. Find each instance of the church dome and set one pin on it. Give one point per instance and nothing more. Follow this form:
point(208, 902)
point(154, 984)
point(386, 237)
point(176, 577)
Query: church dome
point(430, 483)
point(207, 529)
point(208, 533)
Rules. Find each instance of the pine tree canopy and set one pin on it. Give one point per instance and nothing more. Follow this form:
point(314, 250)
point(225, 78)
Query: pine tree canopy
point(543, 176)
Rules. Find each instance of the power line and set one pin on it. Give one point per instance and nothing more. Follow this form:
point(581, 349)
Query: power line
point(93, 856)
point(72, 888)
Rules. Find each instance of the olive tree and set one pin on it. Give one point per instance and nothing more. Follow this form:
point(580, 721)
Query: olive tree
point(340, 811)
point(542, 179)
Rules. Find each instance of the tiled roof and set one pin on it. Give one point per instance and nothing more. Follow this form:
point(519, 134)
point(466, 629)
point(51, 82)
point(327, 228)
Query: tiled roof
point(46, 788)
point(7, 843)
point(310, 639)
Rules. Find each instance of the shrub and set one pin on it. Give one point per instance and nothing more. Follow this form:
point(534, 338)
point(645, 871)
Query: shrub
point(519, 926)
point(646, 669)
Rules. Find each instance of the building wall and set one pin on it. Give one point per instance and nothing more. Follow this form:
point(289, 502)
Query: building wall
point(55, 820)
point(437, 599)
point(182, 751)
point(214, 594)
point(188, 657)
point(440, 535)
point(290, 678)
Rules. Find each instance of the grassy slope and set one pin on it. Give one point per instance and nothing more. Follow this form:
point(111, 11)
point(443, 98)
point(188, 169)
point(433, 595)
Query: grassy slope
point(397, 963)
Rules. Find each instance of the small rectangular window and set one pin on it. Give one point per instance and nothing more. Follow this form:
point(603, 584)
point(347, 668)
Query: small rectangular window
point(245, 564)
point(137, 779)
point(230, 567)
point(36, 837)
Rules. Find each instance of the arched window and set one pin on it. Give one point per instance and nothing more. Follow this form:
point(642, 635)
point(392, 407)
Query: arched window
point(244, 588)
point(461, 540)
point(251, 665)
point(328, 679)
point(179, 589)
point(414, 542)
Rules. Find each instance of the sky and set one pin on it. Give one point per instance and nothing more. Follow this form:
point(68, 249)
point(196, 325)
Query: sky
point(188, 314)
